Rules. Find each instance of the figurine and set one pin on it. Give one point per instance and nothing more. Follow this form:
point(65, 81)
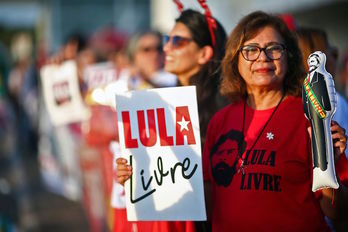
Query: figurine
point(319, 103)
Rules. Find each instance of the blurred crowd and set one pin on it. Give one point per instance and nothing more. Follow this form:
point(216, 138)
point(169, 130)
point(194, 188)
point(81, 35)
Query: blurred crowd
point(76, 159)
point(73, 159)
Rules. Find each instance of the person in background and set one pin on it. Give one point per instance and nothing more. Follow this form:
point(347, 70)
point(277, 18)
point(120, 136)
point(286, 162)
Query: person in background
point(343, 75)
point(63, 141)
point(76, 48)
point(146, 62)
point(23, 91)
point(73, 44)
point(257, 154)
point(190, 55)
point(194, 55)
point(9, 165)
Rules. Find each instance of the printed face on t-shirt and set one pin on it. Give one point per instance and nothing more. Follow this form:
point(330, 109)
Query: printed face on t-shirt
point(224, 157)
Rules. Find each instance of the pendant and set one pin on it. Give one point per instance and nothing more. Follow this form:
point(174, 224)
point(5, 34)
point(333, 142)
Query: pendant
point(241, 167)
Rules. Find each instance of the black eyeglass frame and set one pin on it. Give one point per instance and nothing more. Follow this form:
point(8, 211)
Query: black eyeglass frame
point(264, 49)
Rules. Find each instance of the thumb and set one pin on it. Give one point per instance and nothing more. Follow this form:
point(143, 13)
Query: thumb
point(309, 132)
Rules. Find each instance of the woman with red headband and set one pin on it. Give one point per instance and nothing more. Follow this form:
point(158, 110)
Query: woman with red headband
point(193, 51)
point(194, 54)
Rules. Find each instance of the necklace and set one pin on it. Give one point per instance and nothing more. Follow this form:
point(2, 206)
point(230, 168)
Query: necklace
point(241, 159)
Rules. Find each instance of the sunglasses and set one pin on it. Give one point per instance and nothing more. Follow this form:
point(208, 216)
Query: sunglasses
point(176, 41)
point(148, 49)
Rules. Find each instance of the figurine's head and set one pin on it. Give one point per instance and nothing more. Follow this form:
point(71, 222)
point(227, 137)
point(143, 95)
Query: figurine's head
point(315, 60)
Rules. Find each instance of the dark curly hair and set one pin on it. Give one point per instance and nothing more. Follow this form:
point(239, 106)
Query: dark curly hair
point(233, 86)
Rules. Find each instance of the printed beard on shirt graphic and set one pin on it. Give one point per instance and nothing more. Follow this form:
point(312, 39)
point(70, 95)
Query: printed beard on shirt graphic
point(159, 134)
point(224, 158)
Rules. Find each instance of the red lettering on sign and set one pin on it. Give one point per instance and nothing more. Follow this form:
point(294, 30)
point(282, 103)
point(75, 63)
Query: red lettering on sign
point(148, 134)
point(129, 141)
point(165, 140)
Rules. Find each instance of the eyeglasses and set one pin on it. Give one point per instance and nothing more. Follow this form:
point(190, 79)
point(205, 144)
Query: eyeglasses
point(177, 41)
point(273, 51)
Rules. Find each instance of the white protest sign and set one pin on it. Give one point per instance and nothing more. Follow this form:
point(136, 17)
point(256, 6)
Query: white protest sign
point(62, 93)
point(99, 75)
point(159, 135)
point(103, 80)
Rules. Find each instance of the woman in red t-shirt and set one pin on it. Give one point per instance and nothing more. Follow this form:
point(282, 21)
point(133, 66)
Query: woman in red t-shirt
point(257, 155)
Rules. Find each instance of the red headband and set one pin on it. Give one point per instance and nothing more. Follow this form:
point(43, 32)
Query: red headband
point(208, 16)
point(179, 5)
point(210, 20)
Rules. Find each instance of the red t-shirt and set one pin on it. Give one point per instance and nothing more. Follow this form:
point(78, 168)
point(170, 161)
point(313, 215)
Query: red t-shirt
point(274, 193)
point(121, 224)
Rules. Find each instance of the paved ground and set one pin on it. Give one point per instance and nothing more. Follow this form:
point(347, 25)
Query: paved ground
point(34, 207)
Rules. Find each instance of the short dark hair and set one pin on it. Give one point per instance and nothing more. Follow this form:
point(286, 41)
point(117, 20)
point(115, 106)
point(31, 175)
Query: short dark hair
point(77, 37)
point(233, 86)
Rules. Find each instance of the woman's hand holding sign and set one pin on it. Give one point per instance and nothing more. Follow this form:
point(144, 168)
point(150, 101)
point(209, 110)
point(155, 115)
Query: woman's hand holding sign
point(123, 170)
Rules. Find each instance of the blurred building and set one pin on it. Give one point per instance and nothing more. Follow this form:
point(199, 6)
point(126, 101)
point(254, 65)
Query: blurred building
point(329, 15)
point(53, 20)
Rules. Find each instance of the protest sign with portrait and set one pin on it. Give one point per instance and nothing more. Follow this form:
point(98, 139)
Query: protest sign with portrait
point(62, 93)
